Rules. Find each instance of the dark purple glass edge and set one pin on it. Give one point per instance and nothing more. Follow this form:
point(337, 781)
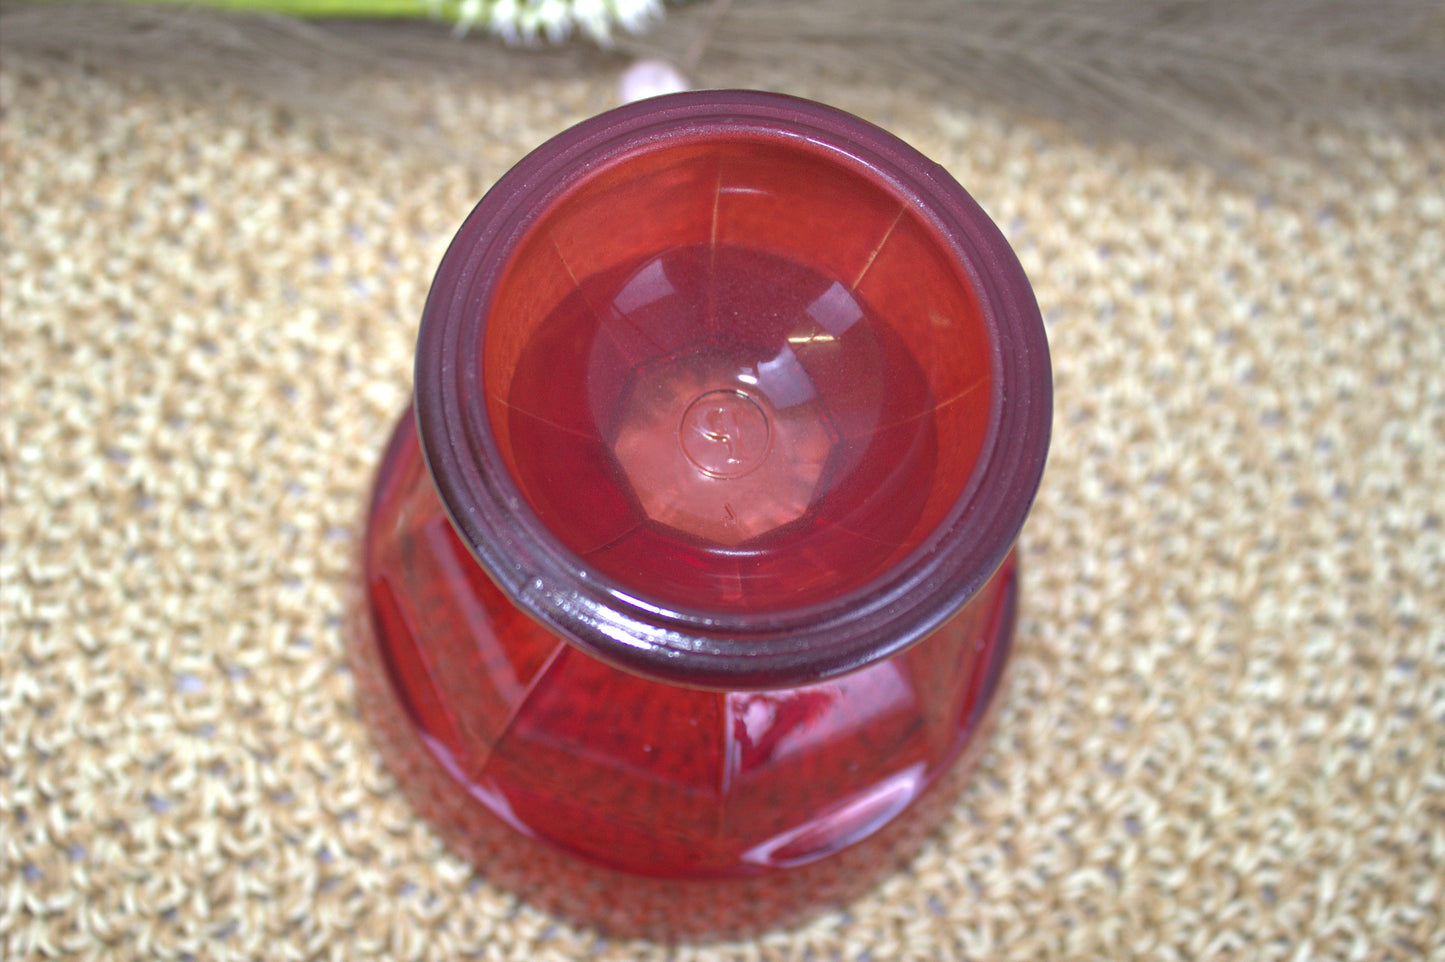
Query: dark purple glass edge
point(714, 648)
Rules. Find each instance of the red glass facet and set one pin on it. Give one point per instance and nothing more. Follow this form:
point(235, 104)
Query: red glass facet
point(487, 716)
point(692, 575)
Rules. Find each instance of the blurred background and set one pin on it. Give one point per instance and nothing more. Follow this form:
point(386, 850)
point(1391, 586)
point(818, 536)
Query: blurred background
point(1223, 736)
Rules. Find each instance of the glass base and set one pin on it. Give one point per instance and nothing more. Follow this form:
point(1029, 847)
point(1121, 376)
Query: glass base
point(636, 807)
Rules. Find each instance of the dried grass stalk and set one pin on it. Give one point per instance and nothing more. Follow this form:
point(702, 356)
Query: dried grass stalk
point(1212, 78)
point(1205, 75)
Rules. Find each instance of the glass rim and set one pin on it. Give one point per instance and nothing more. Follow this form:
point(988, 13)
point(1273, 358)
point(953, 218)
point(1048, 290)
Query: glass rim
point(725, 648)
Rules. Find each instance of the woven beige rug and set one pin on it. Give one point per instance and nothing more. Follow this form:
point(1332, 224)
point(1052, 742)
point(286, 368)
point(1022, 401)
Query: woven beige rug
point(1224, 736)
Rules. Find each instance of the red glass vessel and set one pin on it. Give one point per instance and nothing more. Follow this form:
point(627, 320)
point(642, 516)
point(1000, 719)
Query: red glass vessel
point(689, 577)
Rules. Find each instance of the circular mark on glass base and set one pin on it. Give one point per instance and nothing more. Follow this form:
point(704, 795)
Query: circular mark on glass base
point(725, 433)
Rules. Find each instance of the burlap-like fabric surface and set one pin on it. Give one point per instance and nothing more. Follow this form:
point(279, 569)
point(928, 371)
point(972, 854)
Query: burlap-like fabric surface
point(1224, 734)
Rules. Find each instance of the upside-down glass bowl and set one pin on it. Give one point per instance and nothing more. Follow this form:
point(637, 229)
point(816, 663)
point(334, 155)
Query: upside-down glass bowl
point(689, 575)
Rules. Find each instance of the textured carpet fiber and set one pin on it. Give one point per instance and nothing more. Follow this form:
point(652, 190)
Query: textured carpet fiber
point(1224, 735)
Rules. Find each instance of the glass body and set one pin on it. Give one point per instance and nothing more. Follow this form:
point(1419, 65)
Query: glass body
point(690, 576)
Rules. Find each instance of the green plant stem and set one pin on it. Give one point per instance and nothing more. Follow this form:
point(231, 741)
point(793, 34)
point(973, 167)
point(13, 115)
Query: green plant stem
point(370, 9)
